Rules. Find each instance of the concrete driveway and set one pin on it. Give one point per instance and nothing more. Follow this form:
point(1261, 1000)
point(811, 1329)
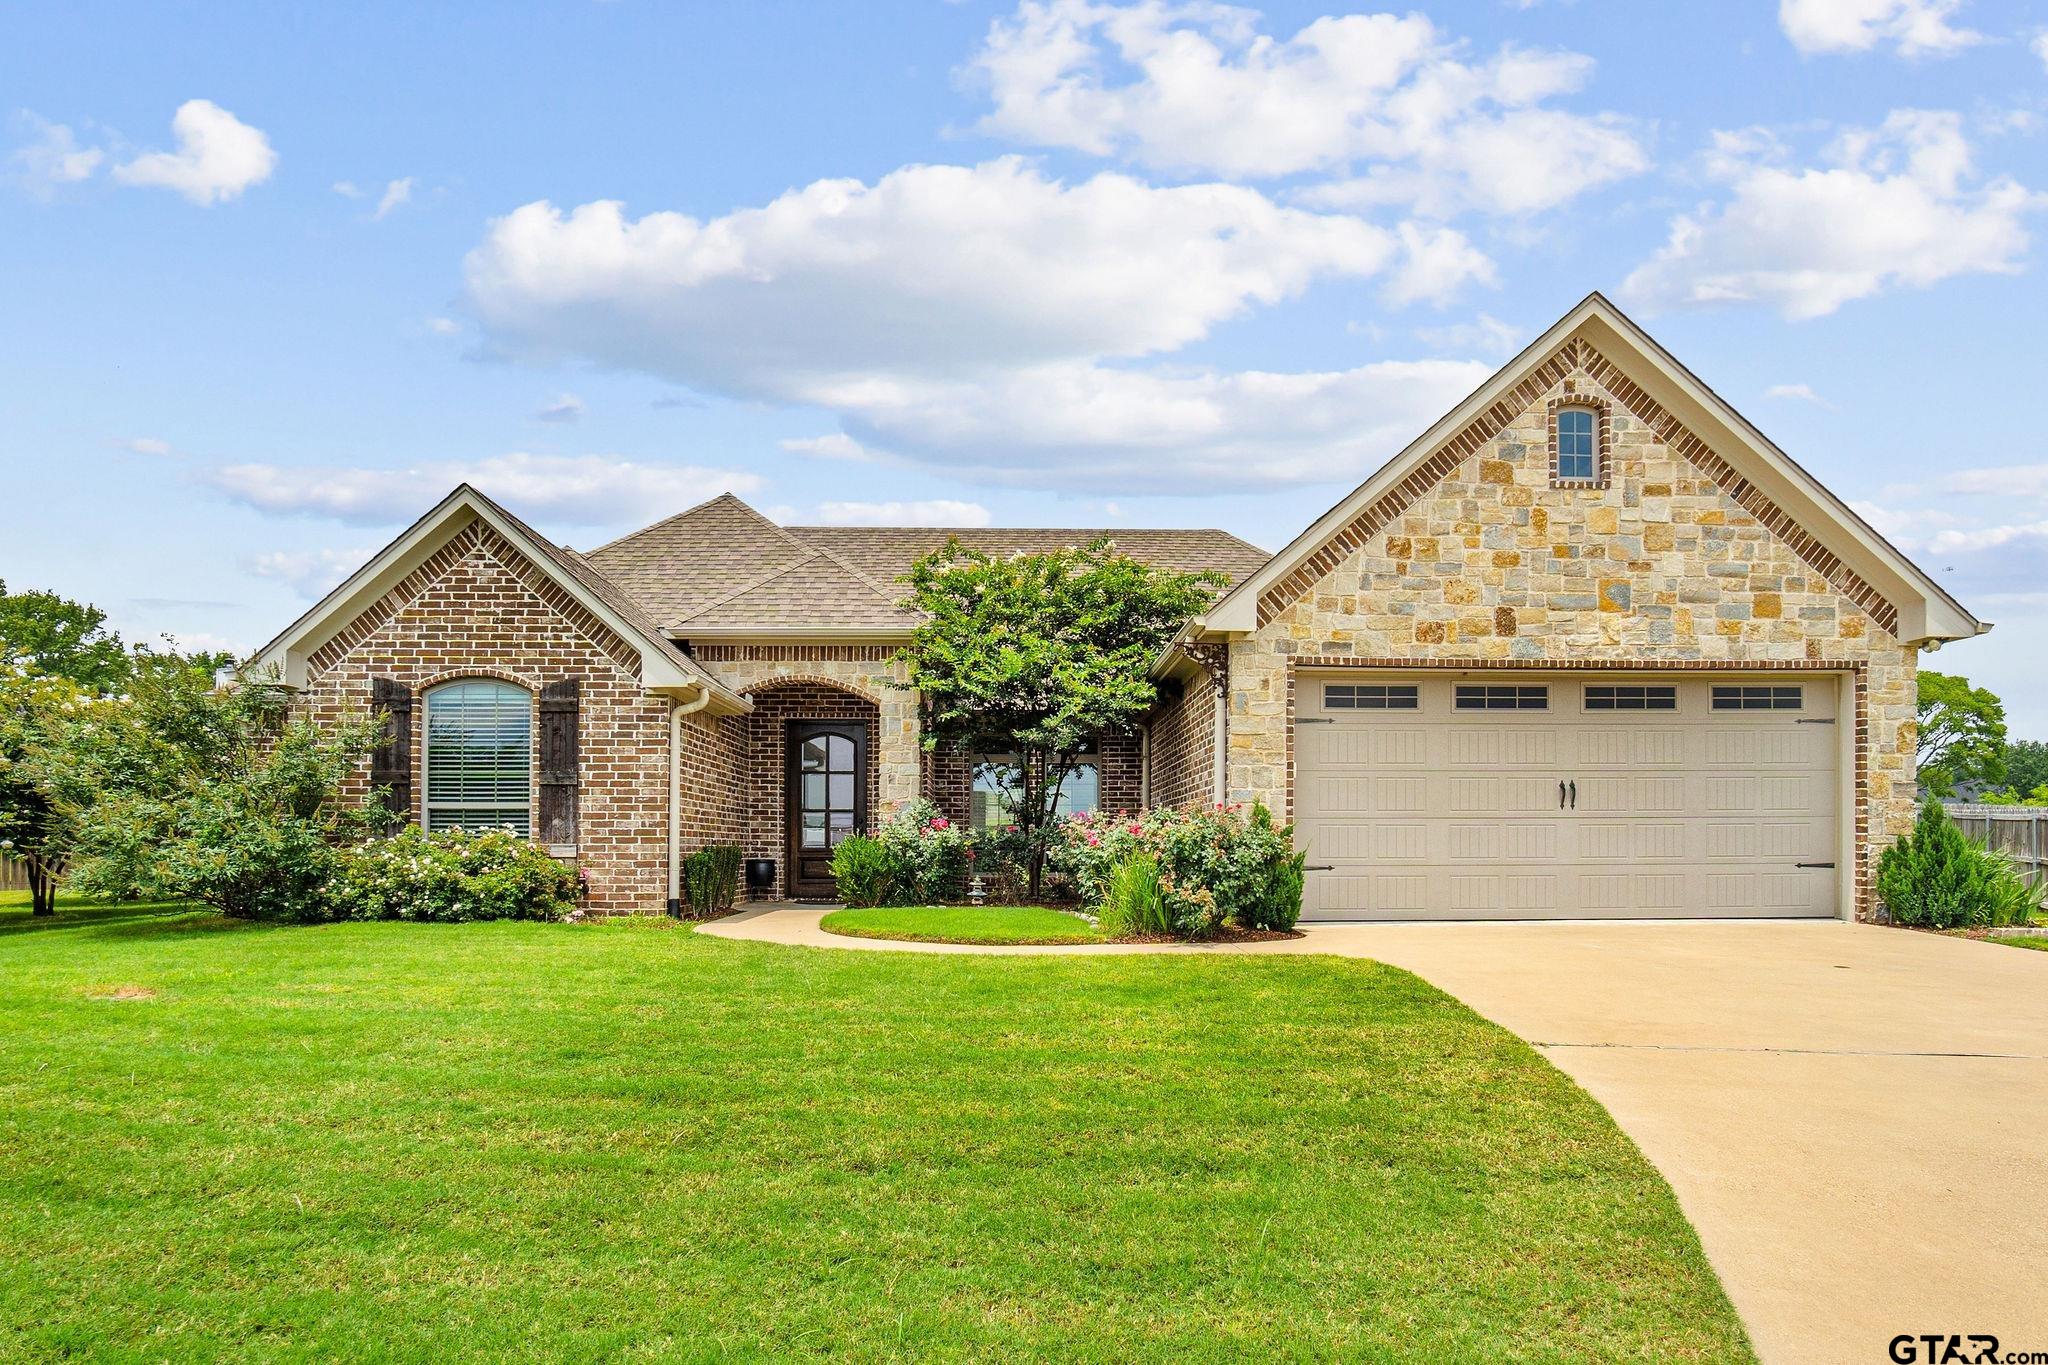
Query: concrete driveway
point(1855, 1119)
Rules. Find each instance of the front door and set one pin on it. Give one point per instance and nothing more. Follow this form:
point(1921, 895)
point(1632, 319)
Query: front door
point(828, 799)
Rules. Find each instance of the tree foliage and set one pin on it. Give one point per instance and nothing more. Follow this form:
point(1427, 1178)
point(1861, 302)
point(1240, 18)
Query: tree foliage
point(34, 709)
point(208, 794)
point(2026, 766)
point(53, 637)
point(1037, 654)
point(1962, 733)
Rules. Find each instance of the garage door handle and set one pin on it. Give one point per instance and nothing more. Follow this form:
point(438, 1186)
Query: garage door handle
point(1575, 793)
point(1560, 796)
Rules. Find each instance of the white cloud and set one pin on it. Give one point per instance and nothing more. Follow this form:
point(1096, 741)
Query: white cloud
point(310, 573)
point(2039, 47)
point(931, 269)
point(1083, 425)
point(1917, 28)
point(1485, 334)
point(835, 445)
point(566, 407)
point(146, 445)
point(218, 156)
point(444, 327)
point(986, 317)
point(1801, 392)
point(52, 158)
point(1896, 207)
point(933, 512)
point(1436, 264)
point(1386, 100)
point(348, 189)
point(396, 192)
point(584, 490)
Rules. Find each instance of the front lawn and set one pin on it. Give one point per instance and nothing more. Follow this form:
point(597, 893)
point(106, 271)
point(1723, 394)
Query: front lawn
point(437, 1142)
point(2036, 941)
point(963, 924)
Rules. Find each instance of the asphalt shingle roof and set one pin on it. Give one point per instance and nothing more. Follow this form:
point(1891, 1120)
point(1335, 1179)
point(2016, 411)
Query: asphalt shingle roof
point(723, 565)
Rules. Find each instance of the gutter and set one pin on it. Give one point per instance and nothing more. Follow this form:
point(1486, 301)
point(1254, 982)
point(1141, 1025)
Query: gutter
point(675, 792)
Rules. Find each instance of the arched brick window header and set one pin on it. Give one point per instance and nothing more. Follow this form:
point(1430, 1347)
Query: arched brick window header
point(1575, 400)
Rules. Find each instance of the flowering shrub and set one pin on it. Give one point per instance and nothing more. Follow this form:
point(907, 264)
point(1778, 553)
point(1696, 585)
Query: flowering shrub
point(1216, 863)
point(928, 856)
point(450, 876)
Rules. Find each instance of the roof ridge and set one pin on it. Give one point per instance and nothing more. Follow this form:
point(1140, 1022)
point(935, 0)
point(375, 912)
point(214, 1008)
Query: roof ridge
point(727, 496)
point(757, 581)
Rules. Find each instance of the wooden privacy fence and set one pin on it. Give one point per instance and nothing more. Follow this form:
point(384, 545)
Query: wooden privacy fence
point(13, 876)
point(2019, 832)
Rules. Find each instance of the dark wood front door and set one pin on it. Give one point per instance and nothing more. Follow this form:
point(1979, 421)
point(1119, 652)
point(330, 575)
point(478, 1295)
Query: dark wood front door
point(828, 799)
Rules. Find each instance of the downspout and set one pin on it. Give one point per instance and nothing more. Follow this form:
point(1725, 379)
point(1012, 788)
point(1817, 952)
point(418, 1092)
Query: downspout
point(676, 712)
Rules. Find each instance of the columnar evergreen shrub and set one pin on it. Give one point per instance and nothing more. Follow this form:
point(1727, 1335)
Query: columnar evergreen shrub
point(711, 879)
point(1936, 877)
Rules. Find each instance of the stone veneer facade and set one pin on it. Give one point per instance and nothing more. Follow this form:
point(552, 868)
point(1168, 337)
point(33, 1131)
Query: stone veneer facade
point(1674, 563)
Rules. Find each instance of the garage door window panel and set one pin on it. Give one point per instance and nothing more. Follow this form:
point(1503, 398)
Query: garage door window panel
point(1502, 697)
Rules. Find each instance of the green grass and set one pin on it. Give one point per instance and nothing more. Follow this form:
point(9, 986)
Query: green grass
point(628, 1140)
point(964, 924)
point(2022, 941)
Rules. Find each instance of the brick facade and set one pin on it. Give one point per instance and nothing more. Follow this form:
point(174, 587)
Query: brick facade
point(479, 608)
point(1119, 765)
point(1676, 563)
point(1184, 742)
point(763, 785)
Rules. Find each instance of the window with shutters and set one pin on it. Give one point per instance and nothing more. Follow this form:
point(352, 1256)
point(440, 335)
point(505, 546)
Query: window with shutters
point(478, 756)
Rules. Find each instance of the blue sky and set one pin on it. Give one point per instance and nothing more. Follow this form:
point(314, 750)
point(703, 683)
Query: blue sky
point(274, 277)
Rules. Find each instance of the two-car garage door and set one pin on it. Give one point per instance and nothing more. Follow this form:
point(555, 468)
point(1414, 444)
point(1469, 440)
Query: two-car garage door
point(1589, 795)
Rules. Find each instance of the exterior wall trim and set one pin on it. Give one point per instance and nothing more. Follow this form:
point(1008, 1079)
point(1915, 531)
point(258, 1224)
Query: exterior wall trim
point(1853, 814)
point(1603, 427)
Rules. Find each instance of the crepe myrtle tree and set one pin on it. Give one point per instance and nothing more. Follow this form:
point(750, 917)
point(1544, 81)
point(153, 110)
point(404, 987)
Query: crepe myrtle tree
point(1036, 655)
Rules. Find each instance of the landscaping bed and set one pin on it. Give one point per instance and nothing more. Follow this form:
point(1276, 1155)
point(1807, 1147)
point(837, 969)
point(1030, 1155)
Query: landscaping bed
point(628, 1140)
point(1016, 924)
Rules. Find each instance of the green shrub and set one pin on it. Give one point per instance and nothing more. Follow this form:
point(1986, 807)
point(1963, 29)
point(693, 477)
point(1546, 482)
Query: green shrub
point(449, 877)
point(1936, 877)
point(1280, 908)
point(928, 856)
point(1241, 862)
point(1132, 902)
point(865, 871)
point(711, 879)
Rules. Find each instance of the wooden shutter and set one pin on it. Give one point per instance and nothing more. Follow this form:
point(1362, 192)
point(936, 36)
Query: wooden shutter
point(391, 761)
point(559, 752)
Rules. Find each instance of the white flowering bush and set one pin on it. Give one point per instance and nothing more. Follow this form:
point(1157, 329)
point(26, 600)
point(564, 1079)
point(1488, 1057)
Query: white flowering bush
point(451, 876)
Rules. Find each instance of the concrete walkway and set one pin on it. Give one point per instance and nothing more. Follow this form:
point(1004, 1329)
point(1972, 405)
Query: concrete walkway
point(1855, 1119)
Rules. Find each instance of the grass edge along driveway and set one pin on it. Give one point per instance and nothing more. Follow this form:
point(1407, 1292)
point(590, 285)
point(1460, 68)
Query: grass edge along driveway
point(467, 1142)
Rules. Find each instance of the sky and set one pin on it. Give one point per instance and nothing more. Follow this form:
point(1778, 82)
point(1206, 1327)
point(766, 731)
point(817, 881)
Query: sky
point(273, 278)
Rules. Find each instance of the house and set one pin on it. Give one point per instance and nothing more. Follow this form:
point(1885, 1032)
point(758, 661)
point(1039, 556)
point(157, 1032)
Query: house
point(1590, 646)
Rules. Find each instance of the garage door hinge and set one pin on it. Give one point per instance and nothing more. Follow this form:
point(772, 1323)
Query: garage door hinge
point(1815, 720)
point(1813, 864)
point(1320, 867)
point(1315, 720)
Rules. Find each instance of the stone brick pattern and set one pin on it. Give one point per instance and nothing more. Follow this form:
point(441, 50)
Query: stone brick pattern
point(713, 773)
point(478, 608)
point(867, 671)
point(1675, 562)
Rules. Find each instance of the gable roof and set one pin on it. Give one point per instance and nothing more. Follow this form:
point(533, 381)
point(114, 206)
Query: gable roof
point(721, 568)
point(663, 667)
point(1844, 548)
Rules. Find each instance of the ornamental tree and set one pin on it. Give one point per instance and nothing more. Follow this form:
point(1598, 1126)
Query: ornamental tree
point(54, 637)
point(1037, 654)
point(1962, 732)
